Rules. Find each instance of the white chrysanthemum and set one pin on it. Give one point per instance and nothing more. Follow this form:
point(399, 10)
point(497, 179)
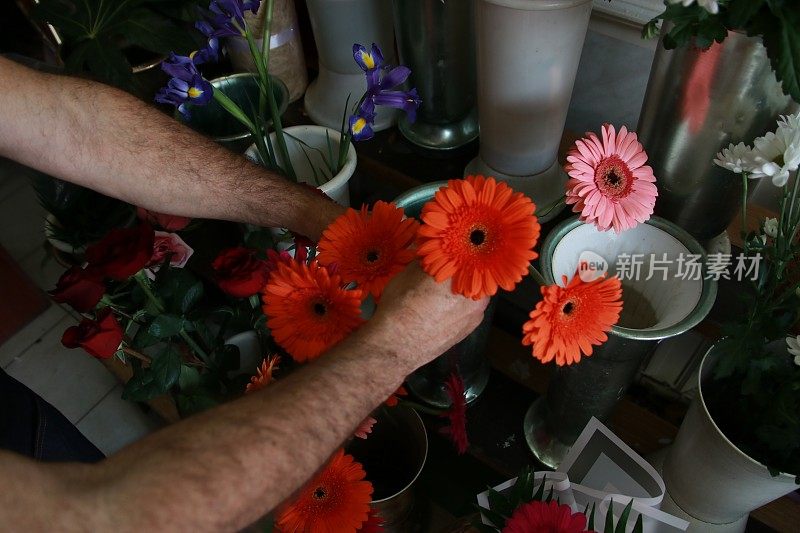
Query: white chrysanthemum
point(771, 227)
point(712, 6)
point(793, 344)
point(737, 158)
point(777, 154)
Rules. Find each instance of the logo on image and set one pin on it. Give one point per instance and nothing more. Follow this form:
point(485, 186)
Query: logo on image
point(591, 266)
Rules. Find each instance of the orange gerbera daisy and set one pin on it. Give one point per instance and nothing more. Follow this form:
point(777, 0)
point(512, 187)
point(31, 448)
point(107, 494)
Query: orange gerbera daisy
point(307, 309)
point(264, 373)
point(394, 399)
point(569, 320)
point(480, 233)
point(369, 248)
point(336, 501)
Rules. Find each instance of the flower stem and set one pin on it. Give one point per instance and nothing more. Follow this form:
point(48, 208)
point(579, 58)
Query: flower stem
point(537, 276)
point(546, 211)
point(144, 283)
point(194, 346)
point(744, 208)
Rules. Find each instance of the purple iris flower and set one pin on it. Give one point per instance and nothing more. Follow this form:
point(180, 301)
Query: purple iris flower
point(210, 53)
point(361, 125)
point(186, 85)
point(227, 16)
point(381, 82)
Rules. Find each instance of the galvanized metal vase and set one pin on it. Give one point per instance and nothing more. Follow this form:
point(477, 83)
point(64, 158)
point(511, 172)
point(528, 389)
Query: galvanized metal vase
point(654, 309)
point(528, 53)
point(213, 121)
point(436, 41)
point(393, 457)
point(427, 383)
point(337, 24)
point(697, 102)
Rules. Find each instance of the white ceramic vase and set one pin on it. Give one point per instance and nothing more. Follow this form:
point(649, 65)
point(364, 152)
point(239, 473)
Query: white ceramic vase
point(306, 146)
point(337, 25)
point(710, 482)
point(528, 53)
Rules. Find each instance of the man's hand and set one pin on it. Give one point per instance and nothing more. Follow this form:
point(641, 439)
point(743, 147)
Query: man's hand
point(421, 319)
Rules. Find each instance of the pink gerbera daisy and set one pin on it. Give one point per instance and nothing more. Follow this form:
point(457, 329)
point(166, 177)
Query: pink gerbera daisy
point(610, 185)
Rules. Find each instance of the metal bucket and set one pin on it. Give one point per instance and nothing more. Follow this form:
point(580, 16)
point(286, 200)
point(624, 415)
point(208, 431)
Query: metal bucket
point(436, 41)
point(213, 121)
point(697, 102)
point(393, 457)
point(427, 382)
point(653, 309)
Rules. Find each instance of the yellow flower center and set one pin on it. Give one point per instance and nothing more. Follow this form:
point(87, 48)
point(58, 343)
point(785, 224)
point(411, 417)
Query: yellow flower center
point(368, 60)
point(359, 125)
point(194, 92)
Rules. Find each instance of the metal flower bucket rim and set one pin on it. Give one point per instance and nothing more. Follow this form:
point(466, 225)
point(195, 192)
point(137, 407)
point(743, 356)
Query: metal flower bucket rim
point(424, 441)
point(538, 5)
point(283, 103)
point(422, 193)
point(707, 296)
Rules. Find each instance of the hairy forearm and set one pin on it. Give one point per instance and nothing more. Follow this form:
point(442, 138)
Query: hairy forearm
point(107, 140)
point(221, 470)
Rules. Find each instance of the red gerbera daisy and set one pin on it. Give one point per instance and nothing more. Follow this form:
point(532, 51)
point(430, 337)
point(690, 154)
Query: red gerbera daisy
point(369, 248)
point(569, 320)
point(457, 414)
point(610, 185)
point(394, 399)
point(541, 517)
point(307, 310)
point(480, 233)
point(264, 373)
point(336, 501)
point(374, 523)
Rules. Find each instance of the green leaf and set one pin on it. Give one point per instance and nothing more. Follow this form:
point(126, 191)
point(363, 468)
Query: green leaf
point(623, 519)
point(496, 519)
point(194, 402)
point(639, 526)
point(590, 524)
point(500, 503)
point(143, 339)
point(165, 326)
point(148, 383)
point(151, 31)
point(781, 34)
point(192, 295)
point(189, 378)
point(740, 13)
point(609, 527)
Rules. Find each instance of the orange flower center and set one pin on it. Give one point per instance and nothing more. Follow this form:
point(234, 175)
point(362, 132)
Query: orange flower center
point(613, 177)
point(568, 308)
point(320, 493)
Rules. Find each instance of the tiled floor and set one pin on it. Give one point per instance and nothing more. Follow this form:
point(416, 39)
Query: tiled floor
point(75, 383)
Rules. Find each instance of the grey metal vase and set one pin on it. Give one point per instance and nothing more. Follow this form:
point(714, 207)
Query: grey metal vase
point(427, 383)
point(393, 457)
point(697, 102)
point(653, 309)
point(436, 40)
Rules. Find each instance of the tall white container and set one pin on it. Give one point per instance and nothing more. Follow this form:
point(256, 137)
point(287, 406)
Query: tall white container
point(337, 25)
point(528, 53)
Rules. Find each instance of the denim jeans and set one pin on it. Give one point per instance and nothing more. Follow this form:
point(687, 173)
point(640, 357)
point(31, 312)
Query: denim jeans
point(32, 427)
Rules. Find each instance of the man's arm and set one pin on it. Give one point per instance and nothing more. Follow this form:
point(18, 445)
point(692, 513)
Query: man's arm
point(106, 140)
point(221, 470)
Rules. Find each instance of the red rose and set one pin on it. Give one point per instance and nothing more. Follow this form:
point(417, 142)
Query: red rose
point(168, 222)
point(100, 338)
point(122, 252)
point(79, 288)
point(239, 272)
point(169, 244)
